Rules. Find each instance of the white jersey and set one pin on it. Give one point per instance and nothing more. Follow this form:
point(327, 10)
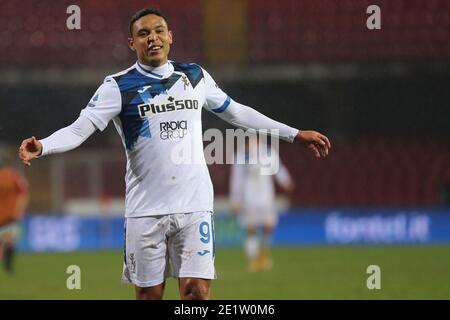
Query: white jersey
point(156, 115)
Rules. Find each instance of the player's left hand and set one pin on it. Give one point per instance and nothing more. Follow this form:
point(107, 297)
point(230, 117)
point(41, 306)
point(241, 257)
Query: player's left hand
point(315, 142)
point(30, 149)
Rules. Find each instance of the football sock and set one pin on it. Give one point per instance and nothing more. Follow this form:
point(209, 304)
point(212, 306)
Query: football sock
point(251, 247)
point(8, 256)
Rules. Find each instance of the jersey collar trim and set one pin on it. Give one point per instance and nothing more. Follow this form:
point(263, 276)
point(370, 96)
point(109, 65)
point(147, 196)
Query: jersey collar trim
point(165, 71)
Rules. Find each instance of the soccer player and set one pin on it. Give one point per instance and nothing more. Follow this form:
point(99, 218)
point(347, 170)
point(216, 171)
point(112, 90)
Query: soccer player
point(156, 106)
point(252, 196)
point(13, 202)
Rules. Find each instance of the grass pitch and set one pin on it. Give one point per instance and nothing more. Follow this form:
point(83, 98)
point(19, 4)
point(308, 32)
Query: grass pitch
point(407, 272)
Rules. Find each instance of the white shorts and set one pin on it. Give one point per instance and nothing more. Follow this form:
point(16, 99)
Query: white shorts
point(179, 245)
point(258, 217)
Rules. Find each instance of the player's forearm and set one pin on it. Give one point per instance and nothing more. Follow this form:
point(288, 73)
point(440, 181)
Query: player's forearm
point(68, 138)
point(247, 118)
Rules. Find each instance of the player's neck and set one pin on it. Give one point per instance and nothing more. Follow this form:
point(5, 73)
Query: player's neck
point(161, 70)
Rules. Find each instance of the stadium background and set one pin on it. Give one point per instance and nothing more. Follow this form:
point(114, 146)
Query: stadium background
point(382, 196)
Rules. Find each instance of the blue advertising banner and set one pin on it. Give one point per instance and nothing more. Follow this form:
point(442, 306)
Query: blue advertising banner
point(68, 233)
point(370, 226)
point(296, 227)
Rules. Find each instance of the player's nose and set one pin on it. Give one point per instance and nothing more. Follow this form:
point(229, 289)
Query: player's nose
point(151, 37)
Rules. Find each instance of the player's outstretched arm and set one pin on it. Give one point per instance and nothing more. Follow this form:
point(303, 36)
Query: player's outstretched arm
point(30, 149)
point(318, 144)
point(246, 117)
point(63, 140)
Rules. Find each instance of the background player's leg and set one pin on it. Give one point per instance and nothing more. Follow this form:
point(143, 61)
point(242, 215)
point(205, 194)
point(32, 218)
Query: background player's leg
point(1, 251)
point(7, 252)
point(265, 259)
point(8, 255)
point(150, 293)
point(194, 288)
point(252, 248)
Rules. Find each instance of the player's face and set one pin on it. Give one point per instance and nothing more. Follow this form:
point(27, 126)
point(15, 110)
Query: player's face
point(151, 40)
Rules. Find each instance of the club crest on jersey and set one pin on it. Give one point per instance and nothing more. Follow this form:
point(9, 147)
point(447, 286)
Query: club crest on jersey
point(186, 82)
point(150, 109)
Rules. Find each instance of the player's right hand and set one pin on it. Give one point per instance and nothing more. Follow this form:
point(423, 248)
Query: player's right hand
point(29, 149)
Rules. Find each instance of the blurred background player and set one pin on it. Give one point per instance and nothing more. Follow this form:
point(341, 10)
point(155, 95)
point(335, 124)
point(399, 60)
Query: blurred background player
point(252, 196)
point(13, 202)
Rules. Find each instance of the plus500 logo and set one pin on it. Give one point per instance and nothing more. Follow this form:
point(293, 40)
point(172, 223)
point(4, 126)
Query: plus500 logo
point(147, 110)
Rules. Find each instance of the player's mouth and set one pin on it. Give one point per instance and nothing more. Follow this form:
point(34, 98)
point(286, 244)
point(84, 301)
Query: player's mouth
point(154, 49)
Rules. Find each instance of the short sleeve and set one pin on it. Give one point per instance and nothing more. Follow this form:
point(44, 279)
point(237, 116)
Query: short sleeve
point(105, 104)
point(216, 100)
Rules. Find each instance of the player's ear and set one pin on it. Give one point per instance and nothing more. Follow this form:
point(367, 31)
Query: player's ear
point(131, 44)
